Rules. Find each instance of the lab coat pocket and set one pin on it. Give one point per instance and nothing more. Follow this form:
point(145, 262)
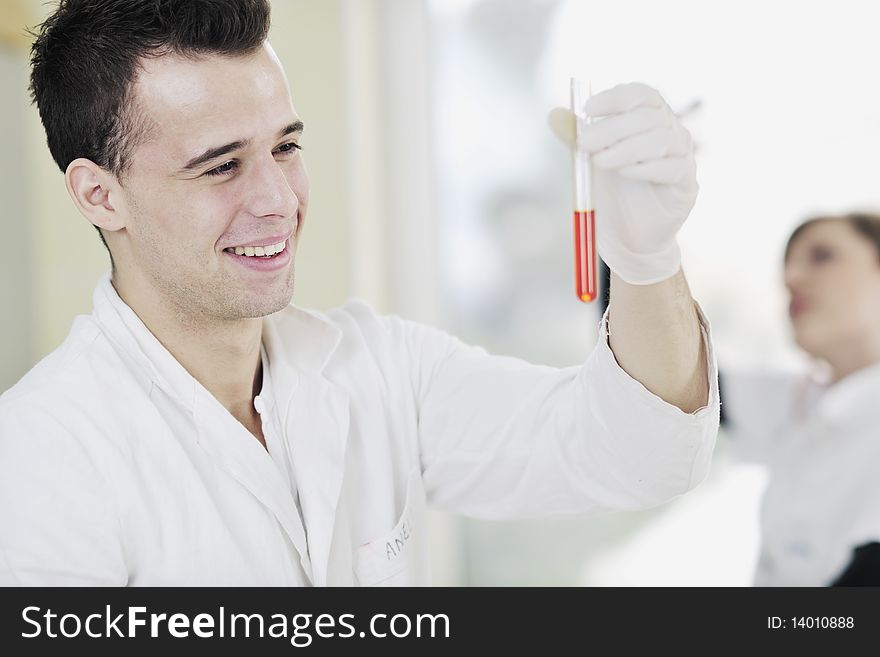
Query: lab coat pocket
point(398, 558)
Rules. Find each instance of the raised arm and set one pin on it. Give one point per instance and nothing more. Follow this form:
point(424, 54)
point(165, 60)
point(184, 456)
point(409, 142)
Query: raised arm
point(644, 187)
point(655, 335)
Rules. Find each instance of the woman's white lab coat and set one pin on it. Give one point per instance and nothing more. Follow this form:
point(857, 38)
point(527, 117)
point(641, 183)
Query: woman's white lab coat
point(822, 445)
point(118, 468)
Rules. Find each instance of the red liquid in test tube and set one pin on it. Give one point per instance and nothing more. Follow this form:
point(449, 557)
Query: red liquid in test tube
point(585, 269)
point(585, 262)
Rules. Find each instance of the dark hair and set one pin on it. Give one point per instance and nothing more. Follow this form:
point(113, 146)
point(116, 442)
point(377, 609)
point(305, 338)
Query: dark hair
point(867, 225)
point(86, 56)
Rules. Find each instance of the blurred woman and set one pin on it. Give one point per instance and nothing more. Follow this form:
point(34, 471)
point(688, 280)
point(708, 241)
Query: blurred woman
point(820, 433)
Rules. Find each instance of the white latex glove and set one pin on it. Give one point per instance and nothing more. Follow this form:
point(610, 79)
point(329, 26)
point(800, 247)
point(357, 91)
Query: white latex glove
point(644, 178)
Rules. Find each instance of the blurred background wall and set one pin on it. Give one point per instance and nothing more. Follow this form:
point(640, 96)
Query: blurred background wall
point(17, 351)
point(439, 194)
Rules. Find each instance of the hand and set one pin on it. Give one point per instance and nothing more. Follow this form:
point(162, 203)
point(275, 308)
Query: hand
point(644, 179)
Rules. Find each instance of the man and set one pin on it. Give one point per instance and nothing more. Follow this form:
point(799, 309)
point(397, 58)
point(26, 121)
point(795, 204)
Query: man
point(198, 429)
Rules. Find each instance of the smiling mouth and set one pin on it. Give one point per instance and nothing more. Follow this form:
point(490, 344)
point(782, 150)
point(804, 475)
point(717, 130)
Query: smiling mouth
point(269, 251)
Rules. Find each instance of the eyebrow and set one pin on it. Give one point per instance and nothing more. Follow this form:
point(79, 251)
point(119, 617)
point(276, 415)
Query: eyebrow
point(218, 151)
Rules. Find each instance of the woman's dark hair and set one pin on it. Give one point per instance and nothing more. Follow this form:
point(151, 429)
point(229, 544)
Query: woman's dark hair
point(87, 55)
point(867, 225)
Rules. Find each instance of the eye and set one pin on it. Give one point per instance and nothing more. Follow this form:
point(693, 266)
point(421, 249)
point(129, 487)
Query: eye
point(224, 169)
point(820, 254)
point(289, 147)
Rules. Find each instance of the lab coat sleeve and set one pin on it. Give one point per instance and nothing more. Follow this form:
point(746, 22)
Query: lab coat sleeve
point(501, 438)
point(58, 523)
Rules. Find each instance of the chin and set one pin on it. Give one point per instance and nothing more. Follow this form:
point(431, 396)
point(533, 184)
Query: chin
point(273, 301)
point(253, 307)
point(815, 343)
point(268, 306)
point(281, 305)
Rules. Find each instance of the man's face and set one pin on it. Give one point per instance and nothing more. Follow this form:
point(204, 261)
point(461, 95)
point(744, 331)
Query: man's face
point(218, 178)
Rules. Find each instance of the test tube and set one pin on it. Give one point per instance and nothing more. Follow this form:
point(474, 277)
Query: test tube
point(585, 274)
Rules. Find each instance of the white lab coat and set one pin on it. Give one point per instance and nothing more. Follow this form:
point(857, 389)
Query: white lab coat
point(118, 468)
point(822, 447)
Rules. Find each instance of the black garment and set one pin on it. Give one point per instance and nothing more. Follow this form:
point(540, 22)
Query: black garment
point(863, 569)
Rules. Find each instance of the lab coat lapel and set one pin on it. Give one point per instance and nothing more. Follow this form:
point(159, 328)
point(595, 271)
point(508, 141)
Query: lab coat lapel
point(316, 417)
point(237, 452)
point(318, 425)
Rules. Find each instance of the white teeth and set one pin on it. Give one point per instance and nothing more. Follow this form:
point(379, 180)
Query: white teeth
point(275, 248)
point(270, 250)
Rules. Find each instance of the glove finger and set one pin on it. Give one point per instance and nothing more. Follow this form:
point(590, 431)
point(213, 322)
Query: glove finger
point(593, 137)
point(682, 143)
point(646, 147)
point(667, 171)
point(623, 98)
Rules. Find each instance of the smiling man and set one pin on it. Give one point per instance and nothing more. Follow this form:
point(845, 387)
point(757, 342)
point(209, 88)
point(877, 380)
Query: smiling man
point(197, 429)
point(203, 221)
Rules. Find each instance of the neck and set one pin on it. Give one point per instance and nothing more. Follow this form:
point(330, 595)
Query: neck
point(852, 356)
point(222, 355)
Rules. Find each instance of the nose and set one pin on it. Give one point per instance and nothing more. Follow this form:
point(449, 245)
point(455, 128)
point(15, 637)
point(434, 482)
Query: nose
point(794, 276)
point(270, 193)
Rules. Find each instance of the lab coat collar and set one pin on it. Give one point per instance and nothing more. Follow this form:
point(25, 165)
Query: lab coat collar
point(851, 400)
point(309, 338)
point(308, 344)
point(149, 361)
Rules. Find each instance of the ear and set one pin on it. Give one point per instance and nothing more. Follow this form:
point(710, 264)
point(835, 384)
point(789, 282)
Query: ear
point(94, 191)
